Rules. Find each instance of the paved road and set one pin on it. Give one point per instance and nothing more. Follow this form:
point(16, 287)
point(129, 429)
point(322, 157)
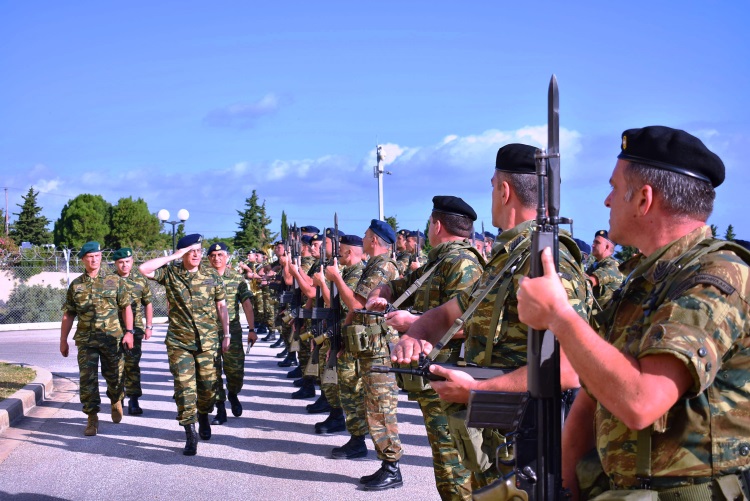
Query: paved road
point(271, 452)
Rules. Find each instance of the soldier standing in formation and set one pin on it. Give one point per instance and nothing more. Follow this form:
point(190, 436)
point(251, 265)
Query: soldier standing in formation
point(196, 298)
point(666, 404)
point(457, 265)
point(231, 361)
point(99, 299)
point(603, 273)
point(495, 337)
point(379, 391)
point(140, 295)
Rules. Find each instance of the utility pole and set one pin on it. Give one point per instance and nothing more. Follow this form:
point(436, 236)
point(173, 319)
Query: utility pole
point(6, 212)
point(378, 172)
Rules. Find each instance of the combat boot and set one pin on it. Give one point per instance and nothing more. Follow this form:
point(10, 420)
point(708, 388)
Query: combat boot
point(278, 343)
point(204, 427)
point(236, 405)
point(299, 382)
point(270, 337)
point(92, 426)
point(387, 477)
point(334, 423)
point(133, 408)
point(191, 444)
point(320, 406)
point(291, 359)
point(355, 448)
point(221, 414)
point(294, 373)
point(307, 390)
point(283, 353)
point(117, 411)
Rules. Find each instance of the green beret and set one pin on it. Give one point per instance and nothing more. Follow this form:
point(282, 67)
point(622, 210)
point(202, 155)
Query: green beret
point(89, 247)
point(122, 253)
point(516, 158)
point(673, 150)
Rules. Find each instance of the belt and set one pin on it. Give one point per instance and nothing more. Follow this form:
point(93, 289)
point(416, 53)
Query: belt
point(695, 488)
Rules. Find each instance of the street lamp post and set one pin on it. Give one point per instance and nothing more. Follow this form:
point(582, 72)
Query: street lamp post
point(163, 216)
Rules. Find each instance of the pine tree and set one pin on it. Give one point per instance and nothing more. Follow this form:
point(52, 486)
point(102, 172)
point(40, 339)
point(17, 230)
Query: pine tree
point(625, 253)
point(392, 221)
point(284, 227)
point(30, 226)
point(730, 235)
point(714, 230)
point(253, 232)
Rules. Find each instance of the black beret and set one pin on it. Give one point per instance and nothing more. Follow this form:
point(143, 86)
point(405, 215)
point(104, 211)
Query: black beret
point(489, 235)
point(603, 234)
point(743, 243)
point(218, 246)
point(332, 231)
point(306, 239)
point(89, 247)
point(674, 150)
point(122, 253)
point(309, 229)
point(404, 233)
point(352, 240)
point(383, 230)
point(585, 248)
point(453, 205)
point(516, 158)
point(189, 240)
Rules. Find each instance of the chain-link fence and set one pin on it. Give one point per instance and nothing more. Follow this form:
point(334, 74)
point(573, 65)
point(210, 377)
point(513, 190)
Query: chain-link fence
point(33, 283)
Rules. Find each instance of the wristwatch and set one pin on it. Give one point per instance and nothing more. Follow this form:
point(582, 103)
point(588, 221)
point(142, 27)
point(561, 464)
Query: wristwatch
point(149, 327)
point(131, 331)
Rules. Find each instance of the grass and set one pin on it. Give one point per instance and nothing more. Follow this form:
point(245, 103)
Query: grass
point(13, 378)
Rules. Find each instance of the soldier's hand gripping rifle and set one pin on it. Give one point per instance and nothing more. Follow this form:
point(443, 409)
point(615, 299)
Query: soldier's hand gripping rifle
point(334, 327)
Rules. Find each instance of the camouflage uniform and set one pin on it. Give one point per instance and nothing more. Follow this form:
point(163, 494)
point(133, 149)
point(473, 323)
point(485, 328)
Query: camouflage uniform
point(192, 337)
point(607, 273)
point(232, 362)
point(140, 295)
point(460, 266)
point(507, 348)
point(308, 265)
point(350, 389)
point(331, 391)
point(703, 321)
point(402, 261)
point(96, 302)
point(380, 390)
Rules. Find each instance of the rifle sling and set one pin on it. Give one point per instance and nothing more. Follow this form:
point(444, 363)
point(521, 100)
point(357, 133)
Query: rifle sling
point(416, 285)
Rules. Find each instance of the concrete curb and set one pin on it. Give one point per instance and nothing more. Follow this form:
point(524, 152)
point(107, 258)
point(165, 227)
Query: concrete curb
point(21, 402)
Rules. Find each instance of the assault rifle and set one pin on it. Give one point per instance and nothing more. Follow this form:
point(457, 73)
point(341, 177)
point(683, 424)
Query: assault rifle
point(538, 438)
point(334, 325)
point(423, 370)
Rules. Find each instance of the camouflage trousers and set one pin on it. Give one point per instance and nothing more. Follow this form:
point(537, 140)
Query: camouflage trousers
point(107, 348)
point(330, 390)
point(232, 364)
point(453, 480)
point(351, 394)
point(269, 308)
point(194, 378)
point(131, 366)
point(286, 334)
point(381, 404)
point(305, 350)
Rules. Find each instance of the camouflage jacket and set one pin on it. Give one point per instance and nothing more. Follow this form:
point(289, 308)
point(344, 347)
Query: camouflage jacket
point(379, 269)
point(702, 321)
point(351, 276)
point(402, 261)
point(237, 292)
point(97, 302)
point(607, 273)
point(508, 346)
point(192, 298)
point(140, 295)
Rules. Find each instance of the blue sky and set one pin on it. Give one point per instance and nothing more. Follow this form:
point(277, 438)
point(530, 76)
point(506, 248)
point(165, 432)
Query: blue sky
point(191, 105)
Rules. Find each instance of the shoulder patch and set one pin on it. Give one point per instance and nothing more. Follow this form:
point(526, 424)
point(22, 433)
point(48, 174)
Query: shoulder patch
point(701, 278)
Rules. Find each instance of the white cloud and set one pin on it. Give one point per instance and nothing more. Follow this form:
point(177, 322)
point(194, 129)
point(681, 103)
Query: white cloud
point(244, 115)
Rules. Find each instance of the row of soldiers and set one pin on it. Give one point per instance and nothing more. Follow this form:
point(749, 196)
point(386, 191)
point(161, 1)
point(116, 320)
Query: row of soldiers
point(662, 355)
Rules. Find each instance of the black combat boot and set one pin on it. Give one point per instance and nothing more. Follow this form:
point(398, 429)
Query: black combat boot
point(294, 373)
point(387, 477)
point(278, 343)
point(355, 448)
point(270, 337)
point(133, 408)
point(291, 359)
point(204, 427)
point(283, 353)
point(221, 414)
point(334, 423)
point(191, 445)
point(320, 406)
point(236, 405)
point(307, 390)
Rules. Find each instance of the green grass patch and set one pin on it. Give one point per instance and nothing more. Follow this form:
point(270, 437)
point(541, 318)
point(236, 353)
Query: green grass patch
point(13, 378)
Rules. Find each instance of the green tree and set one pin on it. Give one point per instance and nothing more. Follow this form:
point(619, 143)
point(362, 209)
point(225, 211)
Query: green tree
point(714, 230)
point(84, 218)
point(730, 235)
point(35, 303)
point(253, 226)
point(284, 227)
point(30, 226)
point(625, 253)
point(132, 225)
point(392, 221)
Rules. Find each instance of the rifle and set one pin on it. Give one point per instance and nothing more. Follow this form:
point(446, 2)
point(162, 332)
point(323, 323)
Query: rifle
point(334, 326)
point(423, 370)
point(538, 437)
point(484, 254)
